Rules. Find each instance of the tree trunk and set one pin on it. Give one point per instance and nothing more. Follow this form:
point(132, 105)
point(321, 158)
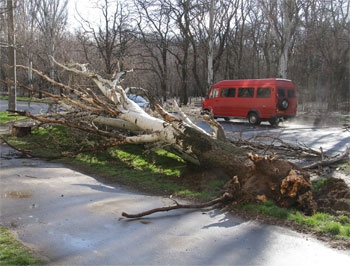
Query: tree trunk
point(11, 57)
point(253, 177)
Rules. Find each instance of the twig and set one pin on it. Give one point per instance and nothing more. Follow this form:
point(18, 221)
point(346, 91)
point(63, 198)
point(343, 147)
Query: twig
point(23, 151)
point(225, 197)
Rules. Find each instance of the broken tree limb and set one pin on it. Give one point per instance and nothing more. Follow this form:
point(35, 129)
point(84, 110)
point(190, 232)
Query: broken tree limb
point(224, 198)
point(324, 162)
point(256, 176)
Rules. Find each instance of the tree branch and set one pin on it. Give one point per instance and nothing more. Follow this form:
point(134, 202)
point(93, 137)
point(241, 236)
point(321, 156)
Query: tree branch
point(343, 156)
point(224, 198)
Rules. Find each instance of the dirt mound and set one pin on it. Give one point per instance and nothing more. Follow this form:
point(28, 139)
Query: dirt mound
point(334, 197)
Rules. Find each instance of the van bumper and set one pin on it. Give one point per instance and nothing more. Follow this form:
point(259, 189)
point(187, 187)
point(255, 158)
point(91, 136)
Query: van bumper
point(282, 117)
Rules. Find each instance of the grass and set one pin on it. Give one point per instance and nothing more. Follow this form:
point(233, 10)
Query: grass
point(323, 223)
point(12, 252)
point(5, 117)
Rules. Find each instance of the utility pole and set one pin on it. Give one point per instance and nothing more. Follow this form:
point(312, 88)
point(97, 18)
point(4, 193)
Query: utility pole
point(11, 74)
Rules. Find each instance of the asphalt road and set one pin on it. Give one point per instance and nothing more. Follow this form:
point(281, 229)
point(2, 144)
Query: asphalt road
point(73, 219)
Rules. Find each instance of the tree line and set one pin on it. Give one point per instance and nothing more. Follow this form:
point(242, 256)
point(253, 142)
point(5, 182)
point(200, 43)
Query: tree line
point(178, 48)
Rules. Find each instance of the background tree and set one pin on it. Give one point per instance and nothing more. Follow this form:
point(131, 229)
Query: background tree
point(283, 17)
point(154, 25)
point(167, 42)
point(183, 12)
point(334, 32)
point(110, 37)
point(51, 19)
point(11, 46)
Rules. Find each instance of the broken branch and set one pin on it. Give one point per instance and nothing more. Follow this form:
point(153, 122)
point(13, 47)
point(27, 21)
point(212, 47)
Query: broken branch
point(336, 159)
point(225, 197)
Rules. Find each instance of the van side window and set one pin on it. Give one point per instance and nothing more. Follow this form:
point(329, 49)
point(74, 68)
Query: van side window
point(246, 92)
point(291, 93)
point(228, 92)
point(263, 93)
point(214, 93)
point(281, 93)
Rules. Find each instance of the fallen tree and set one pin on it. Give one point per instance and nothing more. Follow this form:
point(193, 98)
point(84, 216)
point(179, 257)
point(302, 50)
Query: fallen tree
point(251, 177)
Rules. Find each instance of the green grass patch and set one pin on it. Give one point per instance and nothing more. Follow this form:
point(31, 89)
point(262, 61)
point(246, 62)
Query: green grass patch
point(156, 171)
point(12, 252)
point(324, 223)
point(6, 117)
point(268, 208)
point(318, 184)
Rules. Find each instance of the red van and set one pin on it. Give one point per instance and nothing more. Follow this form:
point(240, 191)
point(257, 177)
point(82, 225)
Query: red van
point(255, 99)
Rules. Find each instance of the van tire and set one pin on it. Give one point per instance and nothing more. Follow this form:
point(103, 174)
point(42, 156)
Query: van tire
point(254, 119)
point(274, 122)
point(284, 104)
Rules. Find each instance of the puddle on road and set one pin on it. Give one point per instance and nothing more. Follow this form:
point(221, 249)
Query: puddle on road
point(16, 195)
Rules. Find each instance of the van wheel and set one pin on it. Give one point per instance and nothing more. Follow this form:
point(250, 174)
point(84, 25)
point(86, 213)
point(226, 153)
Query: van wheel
point(284, 104)
point(274, 122)
point(253, 118)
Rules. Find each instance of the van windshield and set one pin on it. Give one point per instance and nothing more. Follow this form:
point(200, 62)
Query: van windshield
point(214, 93)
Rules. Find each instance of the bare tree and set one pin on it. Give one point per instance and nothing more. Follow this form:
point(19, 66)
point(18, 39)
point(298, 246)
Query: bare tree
point(210, 30)
point(11, 42)
point(52, 19)
point(154, 27)
point(182, 11)
point(26, 19)
point(334, 32)
point(112, 35)
point(211, 44)
point(283, 16)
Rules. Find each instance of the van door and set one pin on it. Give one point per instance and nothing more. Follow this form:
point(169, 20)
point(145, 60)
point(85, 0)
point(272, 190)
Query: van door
point(245, 101)
point(264, 101)
point(228, 101)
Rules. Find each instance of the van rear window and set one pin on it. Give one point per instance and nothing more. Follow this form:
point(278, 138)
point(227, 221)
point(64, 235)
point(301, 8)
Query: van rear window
point(291, 94)
point(281, 93)
point(228, 92)
point(263, 93)
point(246, 92)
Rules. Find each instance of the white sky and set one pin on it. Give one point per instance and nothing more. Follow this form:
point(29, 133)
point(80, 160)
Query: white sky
point(84, 7)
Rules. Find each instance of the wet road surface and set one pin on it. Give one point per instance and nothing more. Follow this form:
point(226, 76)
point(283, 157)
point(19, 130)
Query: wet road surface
point(73, 219)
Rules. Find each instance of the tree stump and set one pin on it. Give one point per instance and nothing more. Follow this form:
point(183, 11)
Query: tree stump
point(21, 129)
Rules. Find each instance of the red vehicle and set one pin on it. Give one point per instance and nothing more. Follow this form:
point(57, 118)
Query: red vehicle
point(257, 100)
